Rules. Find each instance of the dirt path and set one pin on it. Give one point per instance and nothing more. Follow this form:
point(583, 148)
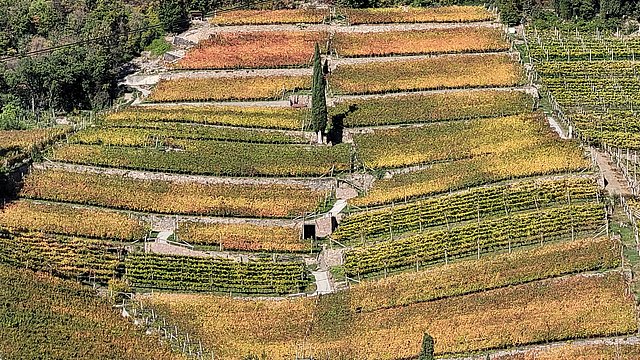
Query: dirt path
point(167, 222)
point(313, 183)
point(323, 283)
point(617, 185)
point(163, 246)
point(283, 103)
point(206, 30)
point(621, 340)
point(332, 100)
point(556, 127)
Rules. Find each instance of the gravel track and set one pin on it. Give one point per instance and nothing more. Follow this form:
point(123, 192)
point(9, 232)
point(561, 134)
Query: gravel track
point(332, 100)
point(206, 30)
point(616, 182)
point(620, 340)
point(342, 98)
point(167, 222)
point(316, 183)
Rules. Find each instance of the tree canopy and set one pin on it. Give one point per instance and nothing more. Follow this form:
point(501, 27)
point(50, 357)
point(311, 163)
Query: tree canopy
point(99, 37)
point(318, 100)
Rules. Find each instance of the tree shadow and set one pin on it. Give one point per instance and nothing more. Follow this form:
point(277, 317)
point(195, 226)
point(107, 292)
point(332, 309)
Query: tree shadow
point(337, 125)
point(11, 182)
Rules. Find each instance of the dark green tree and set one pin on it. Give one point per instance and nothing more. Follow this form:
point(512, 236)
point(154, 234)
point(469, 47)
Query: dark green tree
point(580, 9)
point(610, 8)
point(426, 353)
point(82, 76)
point(173, 15)
point(510, 12)
point(318, 100)
point(205, 6)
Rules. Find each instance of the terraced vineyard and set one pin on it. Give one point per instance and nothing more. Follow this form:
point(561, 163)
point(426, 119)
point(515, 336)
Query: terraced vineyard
point(576, 45)
point(208, 157)
point(448, 141)
point(449, 72)
point(591, 81)
point(67, 257)
point(231, 50)
point(252, 117)
point(163, 134)
point(18, 145)
point(495, 271)
point(437, 200)
point(546, 158)
point(165, 197)
point(211, 274)
point(444, 14)
point(37, 304)
point(276, 327)
point(26, 216)
point(262, 17)
point(598, 97)
point(474, 238)
point(408, 109)
point(439, 41)
point(465, 206)
point(228, 89)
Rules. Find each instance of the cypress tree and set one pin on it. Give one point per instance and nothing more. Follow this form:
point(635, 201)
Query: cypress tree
point(427, 348)
point(318, 100)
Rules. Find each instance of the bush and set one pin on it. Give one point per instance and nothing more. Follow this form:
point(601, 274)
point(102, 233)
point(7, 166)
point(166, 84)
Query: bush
point(117, 288)
point(11, 118)
point(158, 47)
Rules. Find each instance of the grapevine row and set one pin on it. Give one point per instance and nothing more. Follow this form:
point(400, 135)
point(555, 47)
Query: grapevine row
point(253, 117)
point(464, 206)
point(507, 231)
point(166, 197)
point(100, 261)
point(199, 157)
point(69, 257)
point(162, 134)
point(462, 105)
point(215, 274)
